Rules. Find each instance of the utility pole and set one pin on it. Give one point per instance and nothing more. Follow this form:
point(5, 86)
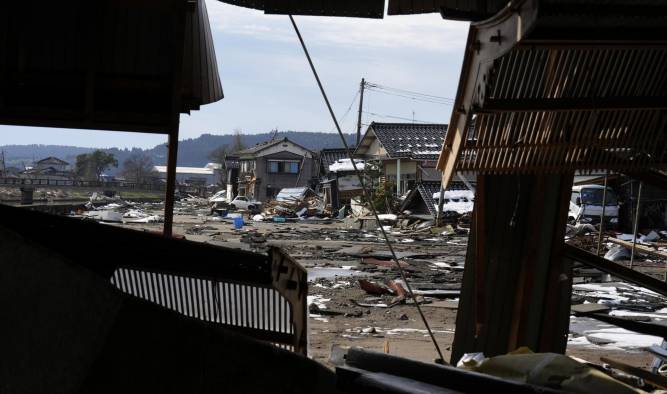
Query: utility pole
point(361, 107)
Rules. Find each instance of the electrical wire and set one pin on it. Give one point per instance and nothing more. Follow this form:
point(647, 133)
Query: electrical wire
point(410, 95)
point(411, 98)
point(397, 117)
point(408, 92)
point(365, 190)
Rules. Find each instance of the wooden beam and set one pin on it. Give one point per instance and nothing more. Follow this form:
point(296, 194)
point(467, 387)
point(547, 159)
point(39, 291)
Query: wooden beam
point(650, 377)
point(615, 269)
point(653, 329)
point(572, 104)
point(641, 248)
point(177, 85)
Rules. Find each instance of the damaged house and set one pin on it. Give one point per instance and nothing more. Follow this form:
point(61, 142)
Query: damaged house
point(49, 168)
point(423, 199)
point(338, 181)
point(273, 165)
point(407, 151)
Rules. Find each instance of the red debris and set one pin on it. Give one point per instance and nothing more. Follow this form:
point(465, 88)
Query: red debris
point(373, 287)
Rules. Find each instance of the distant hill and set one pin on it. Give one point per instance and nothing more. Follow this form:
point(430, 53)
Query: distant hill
point(192, 152)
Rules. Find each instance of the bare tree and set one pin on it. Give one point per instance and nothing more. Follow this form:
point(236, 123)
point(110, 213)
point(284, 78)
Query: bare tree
point(237, 143)
point(139, 168)
point(218, 154)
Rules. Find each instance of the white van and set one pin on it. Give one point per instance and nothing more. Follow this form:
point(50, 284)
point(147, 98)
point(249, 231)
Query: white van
point(586, 205)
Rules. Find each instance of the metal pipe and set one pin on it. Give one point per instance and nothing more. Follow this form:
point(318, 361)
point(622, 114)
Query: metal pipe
point(604, 206)
point(634, 238)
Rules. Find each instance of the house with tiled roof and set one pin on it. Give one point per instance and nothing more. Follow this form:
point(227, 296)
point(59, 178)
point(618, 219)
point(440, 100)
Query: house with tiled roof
point(408, 151)
point(268, 167)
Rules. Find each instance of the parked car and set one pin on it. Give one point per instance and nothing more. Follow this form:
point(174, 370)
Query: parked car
point(242, 202)
point(586, 205)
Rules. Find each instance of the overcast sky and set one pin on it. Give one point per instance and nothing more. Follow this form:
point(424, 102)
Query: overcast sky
point(268, 84)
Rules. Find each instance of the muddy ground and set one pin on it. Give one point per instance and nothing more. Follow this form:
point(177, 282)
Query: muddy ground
point(332, 252)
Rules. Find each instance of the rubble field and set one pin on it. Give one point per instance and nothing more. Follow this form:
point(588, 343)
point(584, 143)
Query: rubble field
point(356, 297)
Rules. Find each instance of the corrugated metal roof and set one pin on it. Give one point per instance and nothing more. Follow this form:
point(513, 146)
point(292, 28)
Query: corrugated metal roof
point(106, 64)
point(472, 10)
point(452, 9)
point(353, 8)
point(554, 89)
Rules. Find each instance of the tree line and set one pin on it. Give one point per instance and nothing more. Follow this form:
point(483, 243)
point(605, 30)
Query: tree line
point(137, 168)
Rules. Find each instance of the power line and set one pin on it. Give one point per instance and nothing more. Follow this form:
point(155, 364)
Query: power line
point(366, 193)
point(409, 92)
point(411, 97)
point(397, 117)
point(349, 108)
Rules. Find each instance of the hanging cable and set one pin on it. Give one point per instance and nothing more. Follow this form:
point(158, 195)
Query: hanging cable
point(366, 193)
point(408, 92)
point(398, 117)
point(410, 95)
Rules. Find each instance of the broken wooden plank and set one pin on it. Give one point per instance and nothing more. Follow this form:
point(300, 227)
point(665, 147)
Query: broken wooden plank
point(443, 304)
point(617, 270)
point(657, 330)
point(589, 308)
point(650, 377)
point(639, 247)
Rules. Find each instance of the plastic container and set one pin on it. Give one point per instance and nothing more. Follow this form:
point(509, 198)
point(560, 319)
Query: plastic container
point(278, 219)
point(238, 222)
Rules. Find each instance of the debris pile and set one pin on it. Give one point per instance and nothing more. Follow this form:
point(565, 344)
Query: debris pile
point(120, 212)
point(302, 208)
point(615, 299)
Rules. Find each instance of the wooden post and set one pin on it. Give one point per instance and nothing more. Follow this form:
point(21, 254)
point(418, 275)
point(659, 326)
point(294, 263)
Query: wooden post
point(177, 85)
point(604, 206)
point(441, 202)
point(516, 283)
point(634, 237)
point(398, 177)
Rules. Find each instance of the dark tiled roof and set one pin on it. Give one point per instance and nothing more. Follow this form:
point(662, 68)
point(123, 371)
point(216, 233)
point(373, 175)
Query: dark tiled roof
point(52, 159)
point(415, 141)
point(330, 156)
point(426, 190)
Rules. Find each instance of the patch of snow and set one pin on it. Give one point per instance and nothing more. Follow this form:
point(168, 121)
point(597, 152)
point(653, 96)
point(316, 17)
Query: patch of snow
point(346, 165)
point(621, 312)
point(387, 216)
point(624, 338)
point(318, 300)
point(397, 331)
